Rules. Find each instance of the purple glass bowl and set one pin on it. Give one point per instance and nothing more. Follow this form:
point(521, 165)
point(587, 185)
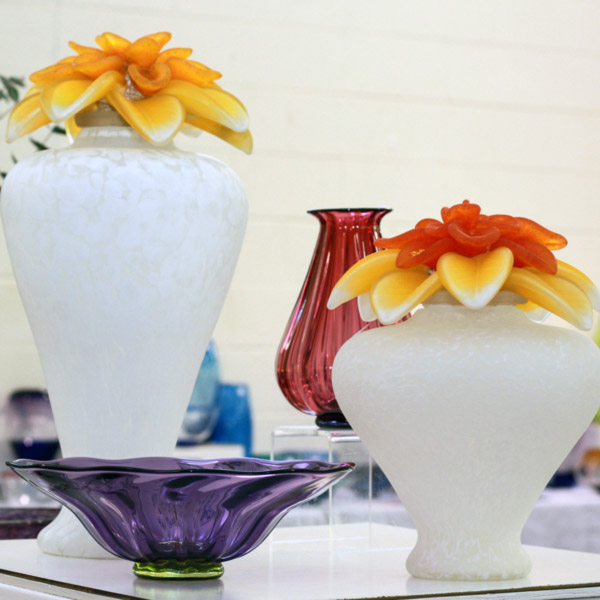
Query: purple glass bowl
point(179, 518)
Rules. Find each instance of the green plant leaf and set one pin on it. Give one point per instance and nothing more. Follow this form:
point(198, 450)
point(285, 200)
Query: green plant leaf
point(59, 130)
point(17, 81)
point(10, 88)
point(13, 158)
point(38, 145)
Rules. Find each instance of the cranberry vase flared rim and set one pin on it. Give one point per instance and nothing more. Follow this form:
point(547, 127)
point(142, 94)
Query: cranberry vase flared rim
point(349, 210)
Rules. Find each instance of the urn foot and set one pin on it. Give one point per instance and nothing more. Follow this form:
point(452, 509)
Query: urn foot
point(66, 536)
point(468, 559)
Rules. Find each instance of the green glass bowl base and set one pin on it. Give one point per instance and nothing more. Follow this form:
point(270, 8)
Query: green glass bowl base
point(178, 569)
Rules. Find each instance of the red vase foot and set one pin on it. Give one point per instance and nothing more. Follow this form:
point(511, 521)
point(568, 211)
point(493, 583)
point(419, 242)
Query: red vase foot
point(332, 420)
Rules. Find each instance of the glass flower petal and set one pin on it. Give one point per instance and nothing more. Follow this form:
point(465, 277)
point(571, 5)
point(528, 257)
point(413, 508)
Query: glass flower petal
point(63, 98)
point(574, 297)
point(414, 253)
point(365, 308)
point(190, 130)
point(72, 128)
point(553, 293)
point(581, 280)
point(534, 312)
point(161, 38)
point(475, 281)
point(150, 80)
point(86, 49)
point(93, 66)
point(157, 119)
point(241, 140)
point(529, 253)
point(36, 88)
point(192, 72)
point(53, 72)
point(27, 116)
point(541, 235)
point(466, 212)
point(112, 43)
point(362, 276)
point(505, 223)
point(142, 52)
point(399, 292)
point(482, 238)
point(399, 241)
point(211, 103)
point(174, 53)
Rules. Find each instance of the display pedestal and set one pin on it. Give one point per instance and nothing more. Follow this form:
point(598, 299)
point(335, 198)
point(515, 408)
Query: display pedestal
point(355, 499)
point(303, 564)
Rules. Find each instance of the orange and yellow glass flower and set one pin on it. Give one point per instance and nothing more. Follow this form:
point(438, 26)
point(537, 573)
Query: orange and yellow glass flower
point(156, 91)
point(473, 256)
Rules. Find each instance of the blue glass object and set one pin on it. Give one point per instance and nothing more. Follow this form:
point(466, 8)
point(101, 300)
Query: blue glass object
point(203, 410)
point(234, 425)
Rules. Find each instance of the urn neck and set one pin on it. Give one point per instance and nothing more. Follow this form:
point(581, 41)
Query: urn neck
point(503, 298)
point(105, 127)
point(104, 116)
point(453, 314)
point(114, 136)
point(442, 307)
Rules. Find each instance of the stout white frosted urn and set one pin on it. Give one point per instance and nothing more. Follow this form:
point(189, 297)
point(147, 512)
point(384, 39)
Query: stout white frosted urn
point(468, 413)
point(123, 253)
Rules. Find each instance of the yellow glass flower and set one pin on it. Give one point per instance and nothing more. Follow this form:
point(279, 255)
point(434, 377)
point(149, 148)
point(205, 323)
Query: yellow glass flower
point(473, 257)
point(156, 91)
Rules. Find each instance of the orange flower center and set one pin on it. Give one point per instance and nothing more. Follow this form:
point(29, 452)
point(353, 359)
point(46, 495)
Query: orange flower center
point(149, 69)
point(466, 231)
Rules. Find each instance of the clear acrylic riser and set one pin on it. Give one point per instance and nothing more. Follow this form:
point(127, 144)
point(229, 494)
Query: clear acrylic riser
point(364, 496)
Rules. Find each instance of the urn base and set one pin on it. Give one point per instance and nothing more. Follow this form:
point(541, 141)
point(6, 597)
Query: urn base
point(462, 559)
point(66, 536)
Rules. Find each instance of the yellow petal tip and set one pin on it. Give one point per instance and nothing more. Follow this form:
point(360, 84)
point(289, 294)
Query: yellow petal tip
point(474, 281)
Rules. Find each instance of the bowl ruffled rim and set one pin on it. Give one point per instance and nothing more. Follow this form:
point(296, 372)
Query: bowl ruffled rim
point(184, 466)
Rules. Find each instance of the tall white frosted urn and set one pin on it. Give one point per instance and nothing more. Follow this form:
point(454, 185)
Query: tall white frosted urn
point(469, 413)
point(123, 253)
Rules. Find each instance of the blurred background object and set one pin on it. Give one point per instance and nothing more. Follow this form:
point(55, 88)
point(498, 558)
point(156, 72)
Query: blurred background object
point(393, 102)
point(218, 421)
point(235, 417)
point(203, 410)
point(25, 523)
point(30, 425)
point(29, 430)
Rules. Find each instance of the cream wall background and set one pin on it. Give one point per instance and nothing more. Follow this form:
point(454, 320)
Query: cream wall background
point(412, 105)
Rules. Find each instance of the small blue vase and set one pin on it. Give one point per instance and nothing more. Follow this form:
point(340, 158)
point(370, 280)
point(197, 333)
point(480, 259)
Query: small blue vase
point(203, 410)
point(234, 425)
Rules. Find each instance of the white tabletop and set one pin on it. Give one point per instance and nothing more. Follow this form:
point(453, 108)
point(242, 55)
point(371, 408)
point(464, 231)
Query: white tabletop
point(298, 563)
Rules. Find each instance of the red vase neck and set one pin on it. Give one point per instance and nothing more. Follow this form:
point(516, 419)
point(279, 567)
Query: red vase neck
point(349, 217)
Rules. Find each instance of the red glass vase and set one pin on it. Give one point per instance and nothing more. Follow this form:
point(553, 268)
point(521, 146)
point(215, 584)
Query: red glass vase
point(314, 334)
